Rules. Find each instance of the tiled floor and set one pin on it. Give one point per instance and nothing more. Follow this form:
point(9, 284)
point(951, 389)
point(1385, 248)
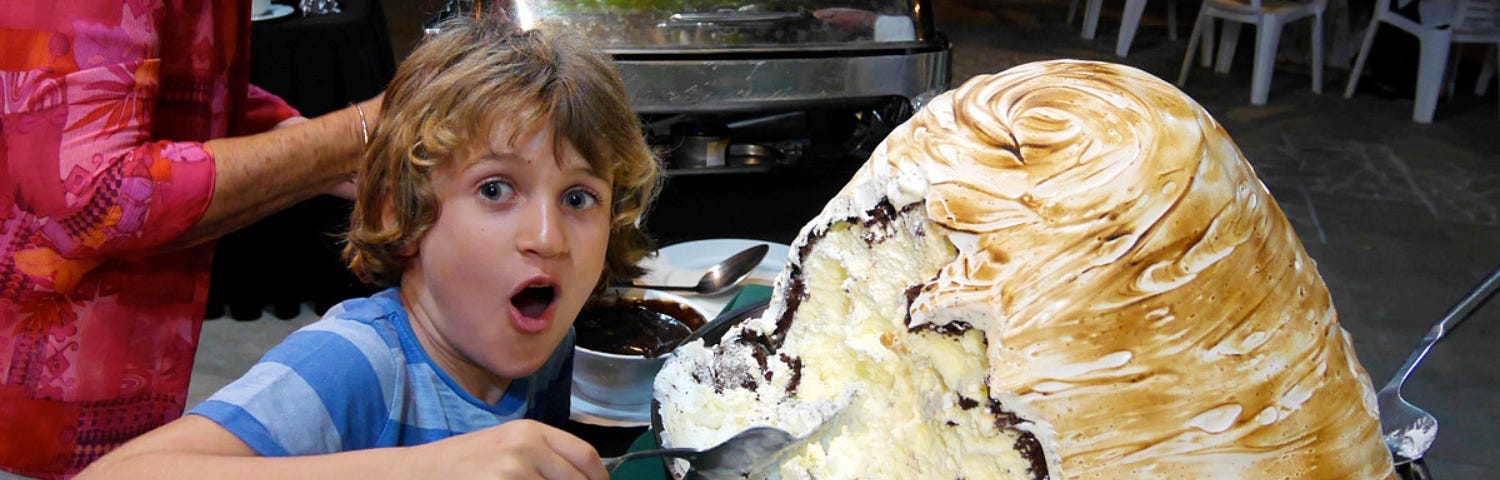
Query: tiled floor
point(1402, 218)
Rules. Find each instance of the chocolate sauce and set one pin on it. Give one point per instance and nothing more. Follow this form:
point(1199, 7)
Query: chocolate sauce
point(879, 226)
point(795, 364)
point(634, 326)
point(1026, 443)
point(967, 403)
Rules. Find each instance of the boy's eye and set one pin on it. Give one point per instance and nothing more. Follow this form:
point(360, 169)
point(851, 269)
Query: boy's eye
point(496, 190)
point(579, 199)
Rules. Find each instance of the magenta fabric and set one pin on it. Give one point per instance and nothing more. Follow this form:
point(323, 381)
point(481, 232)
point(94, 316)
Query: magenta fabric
point(104, 106)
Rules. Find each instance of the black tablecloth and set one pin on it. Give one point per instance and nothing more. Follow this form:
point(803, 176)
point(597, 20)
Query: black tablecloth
point(318, 64)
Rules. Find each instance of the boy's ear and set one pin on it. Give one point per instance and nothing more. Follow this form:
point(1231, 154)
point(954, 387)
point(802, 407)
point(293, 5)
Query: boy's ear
point(388, 220)
point(409, 249)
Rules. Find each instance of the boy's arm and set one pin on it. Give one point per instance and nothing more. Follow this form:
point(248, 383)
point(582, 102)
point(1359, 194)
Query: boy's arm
point(194, 447)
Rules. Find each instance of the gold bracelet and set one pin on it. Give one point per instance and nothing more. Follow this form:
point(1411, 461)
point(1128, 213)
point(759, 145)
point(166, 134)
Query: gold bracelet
point(364, 128)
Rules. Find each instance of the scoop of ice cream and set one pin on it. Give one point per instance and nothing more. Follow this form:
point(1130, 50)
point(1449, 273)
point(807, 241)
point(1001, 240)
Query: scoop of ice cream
point(1064, 269)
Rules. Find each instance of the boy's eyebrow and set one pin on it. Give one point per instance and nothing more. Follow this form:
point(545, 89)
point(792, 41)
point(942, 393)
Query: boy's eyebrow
point(588, 168)
point(491, 156)
point(581, 165)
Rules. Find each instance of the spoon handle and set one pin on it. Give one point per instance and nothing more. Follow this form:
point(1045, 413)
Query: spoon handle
point(669, 288)
point(1456, 315)
point(1476, 297)
point(683, 453)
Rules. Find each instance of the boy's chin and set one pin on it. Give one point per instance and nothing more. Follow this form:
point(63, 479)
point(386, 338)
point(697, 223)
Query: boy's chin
point(513, 368)
point(526, 357)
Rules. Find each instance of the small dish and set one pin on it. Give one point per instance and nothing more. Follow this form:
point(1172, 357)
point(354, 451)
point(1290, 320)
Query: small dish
point(276, 11)
point(616, 387)
point(586, 412)
point(683, 263)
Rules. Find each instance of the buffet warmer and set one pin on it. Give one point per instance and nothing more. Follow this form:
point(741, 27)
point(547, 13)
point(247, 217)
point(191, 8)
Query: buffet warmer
point(727, 86)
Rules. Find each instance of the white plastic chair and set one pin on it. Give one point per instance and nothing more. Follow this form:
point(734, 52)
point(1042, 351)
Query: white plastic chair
point(1129, 21)
point(1487, 70)
point(1268, 16)
point(1474, 21)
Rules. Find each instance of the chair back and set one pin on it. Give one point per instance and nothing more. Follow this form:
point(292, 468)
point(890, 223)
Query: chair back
point(1254, 7)
point(1476, 21)
point(1250, 7)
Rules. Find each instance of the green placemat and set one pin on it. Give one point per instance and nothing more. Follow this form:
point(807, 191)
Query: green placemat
point(645, 468)
point(752, 293)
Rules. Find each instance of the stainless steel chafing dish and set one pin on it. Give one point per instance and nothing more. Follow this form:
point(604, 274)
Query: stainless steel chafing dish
point(683, 56)
point(752, 86)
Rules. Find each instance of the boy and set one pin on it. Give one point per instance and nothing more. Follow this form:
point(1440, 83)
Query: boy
point(503, 185)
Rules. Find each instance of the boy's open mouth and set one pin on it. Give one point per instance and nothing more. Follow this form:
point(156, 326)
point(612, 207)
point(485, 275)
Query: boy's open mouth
point(533, 300)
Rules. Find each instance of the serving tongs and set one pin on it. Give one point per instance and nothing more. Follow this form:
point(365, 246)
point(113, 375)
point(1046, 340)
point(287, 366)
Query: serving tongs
point(1407, 429)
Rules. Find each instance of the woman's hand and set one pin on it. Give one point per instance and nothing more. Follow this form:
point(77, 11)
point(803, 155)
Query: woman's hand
point(258, 175)
point(345, 190)
point(520, 449)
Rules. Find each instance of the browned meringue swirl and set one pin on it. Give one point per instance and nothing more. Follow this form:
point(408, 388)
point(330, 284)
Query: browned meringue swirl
point(1145, 301)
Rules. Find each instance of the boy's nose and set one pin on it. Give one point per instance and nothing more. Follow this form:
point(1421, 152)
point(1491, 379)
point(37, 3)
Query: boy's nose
point(542, 233)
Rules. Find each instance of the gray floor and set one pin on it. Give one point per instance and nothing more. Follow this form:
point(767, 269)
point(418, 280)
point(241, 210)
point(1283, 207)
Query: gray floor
point(1402, 218)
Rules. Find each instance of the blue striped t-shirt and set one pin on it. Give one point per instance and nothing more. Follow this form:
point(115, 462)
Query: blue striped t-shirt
point(358, 379)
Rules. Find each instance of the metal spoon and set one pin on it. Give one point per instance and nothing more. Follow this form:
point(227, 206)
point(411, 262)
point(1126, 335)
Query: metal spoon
point(1407, 429)
point(748, 454)
point(745, 453)
point(715, 328)
point(725, 275)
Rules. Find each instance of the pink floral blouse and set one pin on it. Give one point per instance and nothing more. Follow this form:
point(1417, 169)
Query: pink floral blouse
point(103, 108)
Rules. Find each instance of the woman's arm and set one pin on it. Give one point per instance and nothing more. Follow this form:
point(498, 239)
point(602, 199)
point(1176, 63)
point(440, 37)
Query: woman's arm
point(258, 175)
point(194, 447)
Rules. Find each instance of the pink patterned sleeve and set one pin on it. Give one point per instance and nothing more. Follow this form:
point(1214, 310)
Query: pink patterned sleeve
point(263, 110)
point(86, 174)
point(138, 202)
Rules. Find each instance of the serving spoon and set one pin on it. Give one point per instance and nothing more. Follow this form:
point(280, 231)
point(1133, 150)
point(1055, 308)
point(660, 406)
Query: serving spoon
point(1408, 430)
point(747, 454)
point(743, 454)
point(724, 275)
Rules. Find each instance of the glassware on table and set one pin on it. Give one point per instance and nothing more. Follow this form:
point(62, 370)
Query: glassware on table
point(319, 7)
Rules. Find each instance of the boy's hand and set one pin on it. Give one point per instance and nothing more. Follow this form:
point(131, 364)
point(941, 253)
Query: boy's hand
point(521, 449)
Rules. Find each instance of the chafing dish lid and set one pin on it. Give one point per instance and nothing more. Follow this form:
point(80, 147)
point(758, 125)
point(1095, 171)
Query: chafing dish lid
point(692, 25)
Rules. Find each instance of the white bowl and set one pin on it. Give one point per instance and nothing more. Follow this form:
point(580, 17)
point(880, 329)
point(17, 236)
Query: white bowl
point(619, 381)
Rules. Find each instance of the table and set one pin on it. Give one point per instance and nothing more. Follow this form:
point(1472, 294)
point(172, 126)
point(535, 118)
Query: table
point(318, 64)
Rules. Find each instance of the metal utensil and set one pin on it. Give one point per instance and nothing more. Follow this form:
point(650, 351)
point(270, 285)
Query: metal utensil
point(725, 275)
point(745, 453)
point(1407, 429)
point(715, 328)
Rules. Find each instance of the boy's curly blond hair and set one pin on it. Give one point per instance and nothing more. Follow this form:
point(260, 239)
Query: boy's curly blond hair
point(451, 90)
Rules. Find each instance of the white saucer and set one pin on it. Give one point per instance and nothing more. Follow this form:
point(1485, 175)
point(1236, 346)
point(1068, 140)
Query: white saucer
point(584, 411)
point(684, 263)
point(276, 11)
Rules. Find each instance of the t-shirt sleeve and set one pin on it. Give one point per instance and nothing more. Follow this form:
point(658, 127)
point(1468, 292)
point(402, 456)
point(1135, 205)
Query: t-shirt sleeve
point(326, 388)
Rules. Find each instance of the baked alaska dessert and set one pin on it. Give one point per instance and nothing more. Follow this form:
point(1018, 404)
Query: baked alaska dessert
point(1064, 270)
